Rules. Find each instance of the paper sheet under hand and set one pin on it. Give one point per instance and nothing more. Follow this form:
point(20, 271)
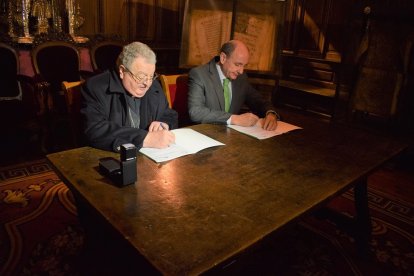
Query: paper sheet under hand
point(187, 141)
point(258, 132)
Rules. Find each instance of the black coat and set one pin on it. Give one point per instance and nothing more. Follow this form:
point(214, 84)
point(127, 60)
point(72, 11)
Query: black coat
point(105, 113)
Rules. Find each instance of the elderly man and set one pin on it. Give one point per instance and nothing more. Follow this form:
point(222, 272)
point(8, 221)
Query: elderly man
point(218, 89)
point(128, 105)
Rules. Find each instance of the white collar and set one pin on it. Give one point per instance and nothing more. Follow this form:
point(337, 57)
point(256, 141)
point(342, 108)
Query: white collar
point(220, 72)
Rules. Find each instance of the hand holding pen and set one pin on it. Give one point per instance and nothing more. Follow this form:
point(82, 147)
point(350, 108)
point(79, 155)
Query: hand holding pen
point(159, 136)
point(165, 127)
point(158, 126)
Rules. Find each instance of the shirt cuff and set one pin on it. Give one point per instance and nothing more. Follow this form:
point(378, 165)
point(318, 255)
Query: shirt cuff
point(274, 112)
point(228, 122)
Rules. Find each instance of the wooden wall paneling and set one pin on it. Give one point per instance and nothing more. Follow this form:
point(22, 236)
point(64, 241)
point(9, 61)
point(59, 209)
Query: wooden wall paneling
point(168, 21)
point(90, 11)
point(312, 50)
point(114, 17)
point(155, 22)
point(317, 27)
point(141, 20)
point(289, 33)
point(312, 27)
point(339, 15)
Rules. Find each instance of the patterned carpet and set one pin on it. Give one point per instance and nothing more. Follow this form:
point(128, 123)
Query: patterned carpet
point(40, 233)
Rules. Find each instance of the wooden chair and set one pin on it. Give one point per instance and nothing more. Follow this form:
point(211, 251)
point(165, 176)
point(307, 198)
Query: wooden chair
point(72, 93)
point(104, 55)
point(54, 62)
point(20, 106)
point(15, 87)
point(10, 84)
point(176, 90)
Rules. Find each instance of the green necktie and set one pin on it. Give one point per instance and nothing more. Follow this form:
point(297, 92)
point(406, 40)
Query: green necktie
point(226, 94)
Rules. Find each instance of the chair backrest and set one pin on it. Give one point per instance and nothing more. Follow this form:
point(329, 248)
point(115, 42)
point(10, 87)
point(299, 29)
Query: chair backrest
point(56, 61)
point(104, 55)
point(19, 105)
point(9, 83)
point(72, 92)
point(176, 90)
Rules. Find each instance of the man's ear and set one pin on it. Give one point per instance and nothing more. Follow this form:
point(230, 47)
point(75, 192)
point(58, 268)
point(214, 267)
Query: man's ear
point(223, 57)
point(121, 72)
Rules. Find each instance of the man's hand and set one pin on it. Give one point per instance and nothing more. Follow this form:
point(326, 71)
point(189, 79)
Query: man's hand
point(269, 122)
point(158, 126)
point(245, 119)
point(159, 139)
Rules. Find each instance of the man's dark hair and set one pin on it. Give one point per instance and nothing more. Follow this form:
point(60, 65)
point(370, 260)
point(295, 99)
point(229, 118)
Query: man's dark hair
point(228, 48)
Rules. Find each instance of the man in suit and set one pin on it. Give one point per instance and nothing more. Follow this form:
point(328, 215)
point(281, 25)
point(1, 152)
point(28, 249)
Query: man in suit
point(127, 105)
point(207, 96)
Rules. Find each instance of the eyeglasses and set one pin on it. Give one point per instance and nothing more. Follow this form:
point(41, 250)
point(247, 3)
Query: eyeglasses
point(141, 77)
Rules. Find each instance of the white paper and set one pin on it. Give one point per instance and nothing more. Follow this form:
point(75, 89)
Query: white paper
point(258, 132)
point(187, 141)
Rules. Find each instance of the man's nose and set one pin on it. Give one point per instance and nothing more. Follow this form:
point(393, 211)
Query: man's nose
point(147, 81)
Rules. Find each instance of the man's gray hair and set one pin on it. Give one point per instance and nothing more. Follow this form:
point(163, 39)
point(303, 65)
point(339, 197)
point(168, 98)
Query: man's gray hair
point(134, 50)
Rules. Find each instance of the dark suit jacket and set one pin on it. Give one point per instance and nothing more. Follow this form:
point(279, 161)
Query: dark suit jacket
point(206, 99)
point(105, 113)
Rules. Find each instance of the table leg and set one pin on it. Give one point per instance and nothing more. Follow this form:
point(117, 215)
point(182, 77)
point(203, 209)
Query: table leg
point(363, 218)
point(358, 226)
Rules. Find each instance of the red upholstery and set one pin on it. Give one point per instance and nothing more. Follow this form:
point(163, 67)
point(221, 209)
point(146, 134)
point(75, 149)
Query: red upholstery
point(176, 90)
point(178, 94)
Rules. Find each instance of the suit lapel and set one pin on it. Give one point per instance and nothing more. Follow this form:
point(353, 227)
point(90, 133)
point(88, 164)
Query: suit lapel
point(215, 80)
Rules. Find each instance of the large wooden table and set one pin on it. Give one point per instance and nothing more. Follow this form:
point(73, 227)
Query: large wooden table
point(198, 212)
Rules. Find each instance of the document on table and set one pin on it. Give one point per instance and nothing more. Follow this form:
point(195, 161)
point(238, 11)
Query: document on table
point(187, 141)
point(258, 132)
